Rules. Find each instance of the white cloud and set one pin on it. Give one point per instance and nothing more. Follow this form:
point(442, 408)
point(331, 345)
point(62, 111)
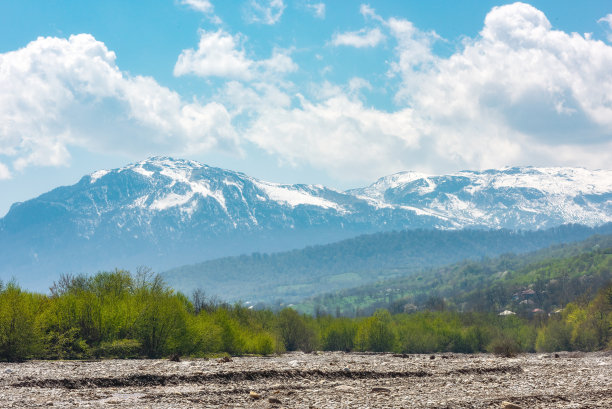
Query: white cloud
point(359, 39)
point(356, 84)
point(368, 12)
point(265, 11)
point(318, 9)
point(5, 173)
point(338, 134)
point(527, 78)
point(60, 93)
point(203, 6)
point(608, 20)
point(220, 54)
point(520, 93)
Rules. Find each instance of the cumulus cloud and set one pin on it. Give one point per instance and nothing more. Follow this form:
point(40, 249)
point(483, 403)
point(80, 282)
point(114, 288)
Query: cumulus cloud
point(59, 93)
point(203, 6)
point(607, 20)
point(318, 9)
point(265, 11)
point(521, 75)
point(519, 93)
point(359, 39)
point(220, 54)
point(338, 134)
point(5, 173)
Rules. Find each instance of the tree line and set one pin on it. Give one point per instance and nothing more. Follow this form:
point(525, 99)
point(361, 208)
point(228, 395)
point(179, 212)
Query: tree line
point(122, 315)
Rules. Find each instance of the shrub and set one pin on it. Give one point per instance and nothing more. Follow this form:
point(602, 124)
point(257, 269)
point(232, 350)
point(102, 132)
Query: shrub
point(121, 348)
point(18, 338)
point(504, 346)
point(295, 331)
point(375, 333)
point(556, 336)
point(339, 335)
point(261, 343)
point(65, 345)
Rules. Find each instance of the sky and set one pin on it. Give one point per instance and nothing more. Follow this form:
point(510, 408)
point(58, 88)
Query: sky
point(336, 92)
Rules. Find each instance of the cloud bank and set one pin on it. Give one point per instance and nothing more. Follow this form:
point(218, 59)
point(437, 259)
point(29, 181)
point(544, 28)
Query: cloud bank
point(519, 93)
point(57, 93)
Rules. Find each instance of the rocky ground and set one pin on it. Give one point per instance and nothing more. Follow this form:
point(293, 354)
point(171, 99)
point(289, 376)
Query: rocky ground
point(324, 380)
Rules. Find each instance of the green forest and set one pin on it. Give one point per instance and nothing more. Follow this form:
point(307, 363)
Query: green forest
point(289, 277)
point(121, 315)
point(543, 280)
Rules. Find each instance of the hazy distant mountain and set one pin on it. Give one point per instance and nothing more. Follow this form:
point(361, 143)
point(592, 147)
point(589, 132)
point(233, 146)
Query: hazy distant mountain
point(293, 275)
point(164, 212)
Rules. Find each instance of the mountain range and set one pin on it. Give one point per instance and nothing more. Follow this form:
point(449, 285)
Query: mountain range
point(164, 212)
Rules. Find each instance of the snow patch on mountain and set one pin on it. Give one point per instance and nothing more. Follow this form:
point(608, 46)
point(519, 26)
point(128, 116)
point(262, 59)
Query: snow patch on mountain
point(97, 175)
point(294, 196)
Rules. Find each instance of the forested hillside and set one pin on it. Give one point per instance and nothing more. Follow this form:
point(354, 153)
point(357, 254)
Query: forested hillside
point(543, 280)
point(291, 276)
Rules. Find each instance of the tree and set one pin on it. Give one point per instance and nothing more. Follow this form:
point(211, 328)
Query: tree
point(375, 333)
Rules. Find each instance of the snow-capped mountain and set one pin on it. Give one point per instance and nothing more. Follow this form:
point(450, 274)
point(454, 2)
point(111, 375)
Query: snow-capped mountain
point(163, 212)
point(513, 198)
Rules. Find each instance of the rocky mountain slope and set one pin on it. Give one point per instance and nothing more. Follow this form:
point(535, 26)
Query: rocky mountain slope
point(163, 212)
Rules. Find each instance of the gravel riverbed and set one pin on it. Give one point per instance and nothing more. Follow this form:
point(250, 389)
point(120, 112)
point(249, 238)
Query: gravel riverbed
point(321, 380)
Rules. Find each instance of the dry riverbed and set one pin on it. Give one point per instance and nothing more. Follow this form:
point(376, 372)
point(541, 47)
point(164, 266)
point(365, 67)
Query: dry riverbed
point(324, 380)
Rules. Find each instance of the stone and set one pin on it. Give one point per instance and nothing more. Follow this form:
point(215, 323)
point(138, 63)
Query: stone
point(274, 401)
point(379, 390)
point(510, 405)
point(254, 395)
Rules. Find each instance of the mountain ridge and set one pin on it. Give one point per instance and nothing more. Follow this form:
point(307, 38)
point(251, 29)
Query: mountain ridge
point(165, 212)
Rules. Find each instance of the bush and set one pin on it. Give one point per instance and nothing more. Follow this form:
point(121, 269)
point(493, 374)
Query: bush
point(556, 336)
point(18, 338)
point(65, 345)
point(339, 335)
point(121, 348)
point(261, 343)
point(504, 346)
point(295, 331)
point(375, 333)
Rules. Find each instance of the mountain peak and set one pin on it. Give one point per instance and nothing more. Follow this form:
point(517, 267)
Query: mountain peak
point(165, 211)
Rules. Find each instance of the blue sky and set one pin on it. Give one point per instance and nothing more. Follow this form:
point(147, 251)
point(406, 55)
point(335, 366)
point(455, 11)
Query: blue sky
point(331, 92)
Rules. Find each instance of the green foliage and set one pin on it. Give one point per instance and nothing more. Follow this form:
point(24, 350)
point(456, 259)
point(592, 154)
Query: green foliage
point(116, 315)
point(18, 335)
point(64, 345)
point(296, 331)
point(556, 336)
point(120, 348)
point(376, 333)
point(294, 275)
point(556, 276)
point(339, 335)
point(504, 345)
point(261, 343)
